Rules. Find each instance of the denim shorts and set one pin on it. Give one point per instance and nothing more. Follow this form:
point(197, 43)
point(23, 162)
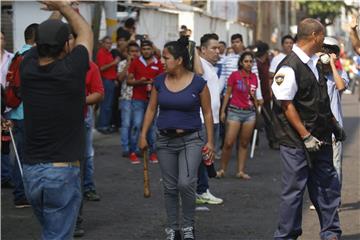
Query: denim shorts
point(241, 115)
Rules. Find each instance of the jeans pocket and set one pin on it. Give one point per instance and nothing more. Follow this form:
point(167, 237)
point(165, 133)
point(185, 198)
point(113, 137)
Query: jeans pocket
point(201, 135)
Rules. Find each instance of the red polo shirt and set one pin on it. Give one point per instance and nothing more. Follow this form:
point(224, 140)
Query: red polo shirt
point(105, 57)
point(93, 82)
point(139, 69)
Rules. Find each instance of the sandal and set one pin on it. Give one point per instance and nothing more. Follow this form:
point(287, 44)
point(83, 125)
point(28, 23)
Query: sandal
point(220, 173)
point(243, 175)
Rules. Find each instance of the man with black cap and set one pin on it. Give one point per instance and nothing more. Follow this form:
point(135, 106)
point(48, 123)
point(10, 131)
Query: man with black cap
point(53, 91)
point(304, 124)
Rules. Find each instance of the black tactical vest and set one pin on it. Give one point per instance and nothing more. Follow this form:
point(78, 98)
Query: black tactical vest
point(311, 102)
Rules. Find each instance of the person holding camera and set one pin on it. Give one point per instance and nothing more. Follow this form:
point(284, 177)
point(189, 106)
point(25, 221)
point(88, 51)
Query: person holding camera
point(337, 82)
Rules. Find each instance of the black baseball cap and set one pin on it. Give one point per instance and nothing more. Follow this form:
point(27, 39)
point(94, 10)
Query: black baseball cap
point(144, 43)
point(53, 32)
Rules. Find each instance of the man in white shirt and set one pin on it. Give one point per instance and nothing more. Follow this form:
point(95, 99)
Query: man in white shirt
point(230, 64)
point(305, 123)
point(287, 43)
point(209, 57)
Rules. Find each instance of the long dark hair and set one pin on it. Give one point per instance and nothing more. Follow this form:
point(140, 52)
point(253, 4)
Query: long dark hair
point(242, 57)
point(179, 49)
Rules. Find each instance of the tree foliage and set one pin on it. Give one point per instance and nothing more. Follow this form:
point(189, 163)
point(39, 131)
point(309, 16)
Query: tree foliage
point(325, 11)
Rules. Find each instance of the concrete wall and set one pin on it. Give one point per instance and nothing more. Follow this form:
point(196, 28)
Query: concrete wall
point(161, 27)
point(25, 13)
point(205, 24)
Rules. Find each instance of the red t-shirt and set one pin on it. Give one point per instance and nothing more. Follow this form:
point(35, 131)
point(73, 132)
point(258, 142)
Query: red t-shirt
point(93, 82)
point(242, 85)
point(105, 57)
point(139, 69)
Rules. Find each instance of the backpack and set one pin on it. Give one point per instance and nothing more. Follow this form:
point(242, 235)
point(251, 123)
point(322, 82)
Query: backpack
point(12, 85)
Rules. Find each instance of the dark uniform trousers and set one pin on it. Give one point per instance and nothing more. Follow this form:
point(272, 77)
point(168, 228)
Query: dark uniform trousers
point(323, 187)
point(313, 105)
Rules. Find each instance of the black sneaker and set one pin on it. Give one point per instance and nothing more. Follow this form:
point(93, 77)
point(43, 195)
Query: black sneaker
point(188, 233)
point(21, 203)
point(172, 234)
point(79, 230)
point(91, 196)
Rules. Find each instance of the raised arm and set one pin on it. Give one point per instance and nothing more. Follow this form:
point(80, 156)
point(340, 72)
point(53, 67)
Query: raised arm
point(354, 36)
point(80, 27)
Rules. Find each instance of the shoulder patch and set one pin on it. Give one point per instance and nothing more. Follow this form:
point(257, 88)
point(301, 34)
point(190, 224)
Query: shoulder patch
point(279, 78)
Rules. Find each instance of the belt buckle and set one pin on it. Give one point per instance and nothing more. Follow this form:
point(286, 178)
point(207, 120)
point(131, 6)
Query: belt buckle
point(66, 164)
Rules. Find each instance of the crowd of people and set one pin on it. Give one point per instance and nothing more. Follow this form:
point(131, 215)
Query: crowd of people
point(186, 107)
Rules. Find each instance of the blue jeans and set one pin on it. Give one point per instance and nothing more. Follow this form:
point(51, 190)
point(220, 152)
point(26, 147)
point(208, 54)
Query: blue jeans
point(138, 111)
point(89, 153)
point(5, 168)
point(203, 179)
point(18, 132)
point(106, 104)
point(125, 109)
point(55, 196)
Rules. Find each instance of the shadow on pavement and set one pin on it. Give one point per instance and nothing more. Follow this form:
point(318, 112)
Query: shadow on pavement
point(351, 237)
point(350, 206)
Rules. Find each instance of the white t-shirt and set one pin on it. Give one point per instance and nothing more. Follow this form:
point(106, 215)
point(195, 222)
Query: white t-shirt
point(6, 60)
point(275, 62)
point(284, 85)
point(213, 83)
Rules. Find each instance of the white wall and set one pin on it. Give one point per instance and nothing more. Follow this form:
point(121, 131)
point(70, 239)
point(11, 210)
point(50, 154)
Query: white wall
point(205, 24)
point(202, 24)
point(26, 13)
point(161, 27)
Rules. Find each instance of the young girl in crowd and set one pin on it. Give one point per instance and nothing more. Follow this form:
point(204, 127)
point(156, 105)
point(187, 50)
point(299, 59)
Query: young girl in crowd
point(179, 94)
point(241, 114)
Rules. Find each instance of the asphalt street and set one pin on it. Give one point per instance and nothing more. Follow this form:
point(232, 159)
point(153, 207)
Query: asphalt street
point(250, 208)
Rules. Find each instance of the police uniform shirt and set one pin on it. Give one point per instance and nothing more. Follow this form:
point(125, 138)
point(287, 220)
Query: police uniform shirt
point(284, 85)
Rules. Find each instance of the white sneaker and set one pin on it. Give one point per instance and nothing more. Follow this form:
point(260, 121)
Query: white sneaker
point(208, 198)
point(312, 207)
point(347, 91)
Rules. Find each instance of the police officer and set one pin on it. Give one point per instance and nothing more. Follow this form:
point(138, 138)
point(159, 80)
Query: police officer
point(304, 125)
